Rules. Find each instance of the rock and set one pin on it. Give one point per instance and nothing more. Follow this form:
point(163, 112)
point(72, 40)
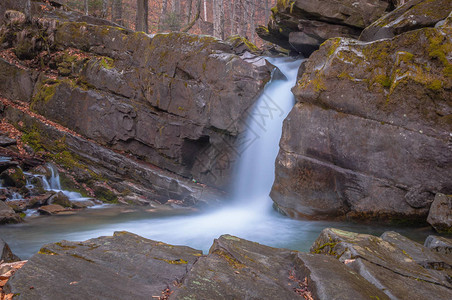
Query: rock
point(6, 163)
point(412, 15)
point(82, 203)
point(17, 205)
point(239, 269)
point(6, 141)
point(7, 214)
point(13, 177)
point(388, 266)
point(122, 264)
point(329, 279)
point(60, 199)
point(53, 209)
point(303, 25)
point(329, 167)
point(7, 256)
point(15, 83)
point(440, 214)
point(439, 244)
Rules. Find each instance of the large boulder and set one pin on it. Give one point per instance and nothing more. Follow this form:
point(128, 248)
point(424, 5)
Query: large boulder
point(303, 25)
point(440, 214)
point(370, 134)
point(401, 268)
point(412, 15)
point(439, 244)
point(113, 267)
point(176, 100)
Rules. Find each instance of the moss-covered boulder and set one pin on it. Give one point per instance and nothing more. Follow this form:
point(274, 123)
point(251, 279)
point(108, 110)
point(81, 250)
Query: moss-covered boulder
point(412, 15)
point(370, 135)
point(13, 177)
point(302, 25)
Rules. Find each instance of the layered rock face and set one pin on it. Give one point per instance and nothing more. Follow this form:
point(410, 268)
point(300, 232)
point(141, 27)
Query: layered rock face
point(303, 25)
point(370, 136)
point(176, 101)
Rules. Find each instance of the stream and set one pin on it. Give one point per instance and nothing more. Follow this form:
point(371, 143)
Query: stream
point(249, 213)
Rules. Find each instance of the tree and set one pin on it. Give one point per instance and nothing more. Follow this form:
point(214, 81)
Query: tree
point(86, 7)
point(197, 15)
point(218, 18)
point(103, 13)
point(163, 14)
point(27, 10)
point(142, 16)
point(116, 12)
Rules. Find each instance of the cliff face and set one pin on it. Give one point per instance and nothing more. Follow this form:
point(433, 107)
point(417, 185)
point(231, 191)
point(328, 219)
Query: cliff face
point(173, 100)
point(370, 136)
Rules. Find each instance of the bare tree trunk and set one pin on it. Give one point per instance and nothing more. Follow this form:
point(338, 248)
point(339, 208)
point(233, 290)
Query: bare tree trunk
point(243, 21)
point(197, 15)
point(252, 10)
point(117, 12)
point(233, 5)
point(27, 10)
point(218, 18)
point(86, 7)
point(205, 10)
point(163, 14)
point(189, 7)
point(104, 9)
point(267, 12)
point(142, 16)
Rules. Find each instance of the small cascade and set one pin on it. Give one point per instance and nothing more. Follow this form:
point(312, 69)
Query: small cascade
point(54, 184)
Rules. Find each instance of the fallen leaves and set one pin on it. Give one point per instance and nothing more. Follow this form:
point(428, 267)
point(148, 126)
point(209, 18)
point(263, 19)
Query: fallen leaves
point(302, 288)
point(8, 270)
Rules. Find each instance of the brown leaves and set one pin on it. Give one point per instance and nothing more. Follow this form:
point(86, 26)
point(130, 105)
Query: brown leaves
point(302, 286)
point(9, 270)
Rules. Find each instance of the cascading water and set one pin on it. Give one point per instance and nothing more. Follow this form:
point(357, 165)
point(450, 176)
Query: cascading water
point(249, 214)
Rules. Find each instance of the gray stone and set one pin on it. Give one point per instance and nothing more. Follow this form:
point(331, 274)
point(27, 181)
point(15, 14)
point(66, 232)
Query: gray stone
point(6, 255)
point(60, 199)
point(389, 267)
point(439, 244)
point(440, 214)
point(412, 15)
point(366, 139)
point(7, 214)
point(113, 267)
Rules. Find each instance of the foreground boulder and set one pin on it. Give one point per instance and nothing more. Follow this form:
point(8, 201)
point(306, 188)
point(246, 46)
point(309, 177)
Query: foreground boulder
point(126, 264)
point(403, 269)
point(303, 25)
point(239, 269)
point(369, 137)
point(122, 266)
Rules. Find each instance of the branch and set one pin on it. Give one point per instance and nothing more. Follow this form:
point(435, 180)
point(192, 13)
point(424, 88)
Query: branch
point(193, 22)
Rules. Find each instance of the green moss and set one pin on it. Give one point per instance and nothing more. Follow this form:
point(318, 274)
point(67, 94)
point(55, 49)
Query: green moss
point(65, 247)
point(107, 63)
point(173, 262)
point(383, 80)
point(45, 91)
point(231, 260)
point(22, 215)
point(236, 40)
point(105, 195)
point(435, 85)
point(83, 258)
point(46, 251)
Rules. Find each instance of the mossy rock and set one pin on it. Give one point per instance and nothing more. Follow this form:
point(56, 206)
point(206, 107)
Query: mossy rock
point(104, 194)
point(13, 177)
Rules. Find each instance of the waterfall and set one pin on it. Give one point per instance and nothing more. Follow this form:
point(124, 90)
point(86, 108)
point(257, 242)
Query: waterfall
point(256, 165)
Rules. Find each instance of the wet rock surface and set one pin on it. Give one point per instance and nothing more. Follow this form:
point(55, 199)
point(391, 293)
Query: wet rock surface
point(374, 140)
